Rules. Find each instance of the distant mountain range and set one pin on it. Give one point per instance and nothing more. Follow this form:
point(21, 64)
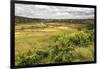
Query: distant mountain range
point(19, 19)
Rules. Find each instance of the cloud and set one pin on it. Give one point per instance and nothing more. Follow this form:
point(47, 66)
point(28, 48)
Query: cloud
point(53, 12)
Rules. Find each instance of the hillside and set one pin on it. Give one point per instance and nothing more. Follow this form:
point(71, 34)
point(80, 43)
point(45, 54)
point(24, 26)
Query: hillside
point(19, 19)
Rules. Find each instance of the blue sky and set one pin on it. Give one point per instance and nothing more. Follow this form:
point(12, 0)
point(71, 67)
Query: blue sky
point(53, 12)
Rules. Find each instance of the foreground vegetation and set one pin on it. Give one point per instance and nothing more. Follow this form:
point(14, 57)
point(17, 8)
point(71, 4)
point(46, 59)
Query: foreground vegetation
point(44, 43)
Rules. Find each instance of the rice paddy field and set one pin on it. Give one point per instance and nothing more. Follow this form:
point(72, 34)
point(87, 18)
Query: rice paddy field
point(53, 42)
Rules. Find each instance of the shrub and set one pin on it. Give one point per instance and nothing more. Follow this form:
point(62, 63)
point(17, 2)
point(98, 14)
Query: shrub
point(60, 50)
point(80, 39)
point(65, 44)
point(65, 48)
point(31, 57)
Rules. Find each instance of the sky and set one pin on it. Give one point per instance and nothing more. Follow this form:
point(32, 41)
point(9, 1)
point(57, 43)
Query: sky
point(53, 12)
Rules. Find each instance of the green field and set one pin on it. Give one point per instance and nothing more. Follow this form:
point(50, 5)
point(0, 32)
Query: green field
point(43, 43)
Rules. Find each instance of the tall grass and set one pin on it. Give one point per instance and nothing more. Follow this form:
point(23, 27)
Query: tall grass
point(73, 47)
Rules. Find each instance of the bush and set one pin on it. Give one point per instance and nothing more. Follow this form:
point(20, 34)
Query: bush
point(60, 50)
point(65, 48)
point(65, 44)
point(31, 57)
point(80, 39)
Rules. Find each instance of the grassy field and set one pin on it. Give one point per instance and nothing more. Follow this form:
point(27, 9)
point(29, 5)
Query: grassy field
point(43, 43)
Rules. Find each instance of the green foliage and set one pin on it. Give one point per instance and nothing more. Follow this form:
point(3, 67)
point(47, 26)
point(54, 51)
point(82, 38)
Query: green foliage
point(65, 48)
point(80, 39)
point(31, 57)
point(90, 26)
point(86, 27)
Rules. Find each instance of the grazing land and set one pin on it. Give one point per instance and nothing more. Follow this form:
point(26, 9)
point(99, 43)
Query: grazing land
point(44, 41)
